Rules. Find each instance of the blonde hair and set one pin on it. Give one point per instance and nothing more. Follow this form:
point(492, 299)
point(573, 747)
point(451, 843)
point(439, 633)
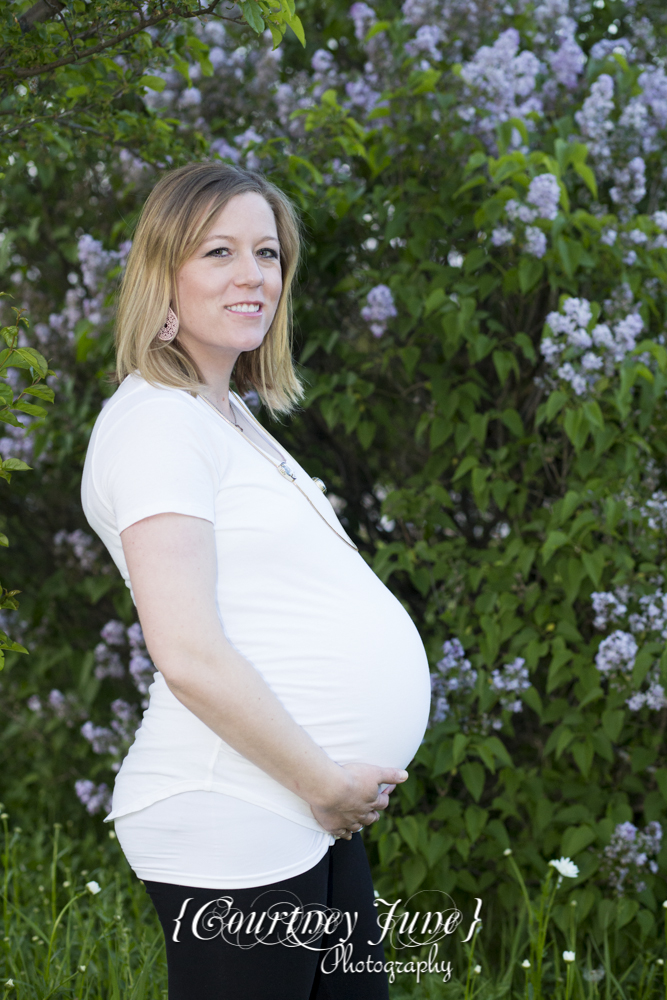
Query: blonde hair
point(177, 215)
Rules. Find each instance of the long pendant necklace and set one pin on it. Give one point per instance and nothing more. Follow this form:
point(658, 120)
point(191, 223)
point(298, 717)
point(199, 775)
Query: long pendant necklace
point(282, 468)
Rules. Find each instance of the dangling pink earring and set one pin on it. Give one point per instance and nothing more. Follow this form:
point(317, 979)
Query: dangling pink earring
point(170, 328)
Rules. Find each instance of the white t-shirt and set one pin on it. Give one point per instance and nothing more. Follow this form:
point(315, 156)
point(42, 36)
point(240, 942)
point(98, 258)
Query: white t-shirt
point(332, 642)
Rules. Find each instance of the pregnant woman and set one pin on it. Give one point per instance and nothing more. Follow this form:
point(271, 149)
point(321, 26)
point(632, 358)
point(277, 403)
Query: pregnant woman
point(291, 687)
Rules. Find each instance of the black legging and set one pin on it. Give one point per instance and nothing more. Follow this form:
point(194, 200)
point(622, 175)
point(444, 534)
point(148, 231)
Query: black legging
point(204, 965)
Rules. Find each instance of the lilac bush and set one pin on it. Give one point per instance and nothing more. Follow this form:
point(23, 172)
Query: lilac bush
point(485, 196)
point(113, 740)
point(629, 854)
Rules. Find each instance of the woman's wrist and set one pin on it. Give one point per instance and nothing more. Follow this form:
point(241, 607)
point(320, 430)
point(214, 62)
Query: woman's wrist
point(328, 788)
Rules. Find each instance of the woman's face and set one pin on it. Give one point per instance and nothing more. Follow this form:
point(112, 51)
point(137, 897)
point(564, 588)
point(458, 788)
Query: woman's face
point(228, 291)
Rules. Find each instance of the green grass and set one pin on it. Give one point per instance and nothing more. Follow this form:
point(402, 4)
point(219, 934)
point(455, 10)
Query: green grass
point(60, 940)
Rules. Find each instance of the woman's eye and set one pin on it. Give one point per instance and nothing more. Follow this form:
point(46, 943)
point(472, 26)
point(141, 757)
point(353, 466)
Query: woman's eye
point(269, 250)
point(217, 252)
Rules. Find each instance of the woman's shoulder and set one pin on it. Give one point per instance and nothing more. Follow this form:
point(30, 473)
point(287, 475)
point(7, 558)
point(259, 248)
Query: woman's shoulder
point(147, 402)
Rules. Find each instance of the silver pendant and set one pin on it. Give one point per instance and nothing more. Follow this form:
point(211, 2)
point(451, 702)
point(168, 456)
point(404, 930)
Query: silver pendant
point(285, 471)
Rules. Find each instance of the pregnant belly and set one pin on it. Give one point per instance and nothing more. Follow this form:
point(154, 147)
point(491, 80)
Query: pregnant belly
point(356, 679)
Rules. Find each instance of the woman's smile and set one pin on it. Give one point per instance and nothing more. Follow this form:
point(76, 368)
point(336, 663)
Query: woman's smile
point(246, 308)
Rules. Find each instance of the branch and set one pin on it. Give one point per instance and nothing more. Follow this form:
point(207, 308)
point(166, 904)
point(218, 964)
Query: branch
point(43, 10)
point(32, 71)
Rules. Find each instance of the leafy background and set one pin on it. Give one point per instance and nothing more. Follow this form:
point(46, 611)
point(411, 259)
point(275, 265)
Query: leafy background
point(486, 368)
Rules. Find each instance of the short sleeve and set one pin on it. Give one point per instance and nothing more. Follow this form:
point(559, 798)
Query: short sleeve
point(157, 458)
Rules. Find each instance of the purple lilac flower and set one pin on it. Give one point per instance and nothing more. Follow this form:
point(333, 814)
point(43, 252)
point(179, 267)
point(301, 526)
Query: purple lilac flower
point(626, 333)
point(616, 654)
point(135, 635)
point(536, 242)
point(222, 148)
point(653, 698)
point(362, 95)
point(629, 853)
point(58, 703)
point(190, 98)
point(549, 10)
point(501, 236)
point(516, 212)
point(630, 182)
point(569, 374)
point(82, 545)
point(655, 510)
point(511, 679)
point(380, 308)
point(607, 607)
point(113, 633)
point(418, 11)
point(125, 721)
point(363, 17)
point(502, 82)
point(550, 349)
point(94, 797)
point(567, 63)
point(426, 41)
point(141, 671)
point(654, 93)
point(594, 118)
point(544, 194)
point(454, 676)
point(322, 61)
point(606, 46)
point(102, 740)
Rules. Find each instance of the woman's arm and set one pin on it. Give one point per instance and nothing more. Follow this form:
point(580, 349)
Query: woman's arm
point(172, 565)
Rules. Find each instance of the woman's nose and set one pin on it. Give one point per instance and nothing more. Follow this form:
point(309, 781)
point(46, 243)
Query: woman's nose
point(248, 271)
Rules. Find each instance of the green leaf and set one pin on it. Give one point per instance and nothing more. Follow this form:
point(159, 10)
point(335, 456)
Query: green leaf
point(555, 403)
point(15, 465)
point(153, 82)
point(468, 463)
point(434, 300)
point(583, 756)
point(612, 723)
point(593, 414)
point(588, 177)
point(641, 758)
point(626, 911)
point(505, 362)
point(473, 776)
point(294, 22)
point(555, 540)
point(475, 820)
point(35, 411)
point(41, 392)
point(459, 748)
point(513, 422)
point(530, 272)
point(576, 428)
point(34, 359)
point(441, 428)
point(575, 839)
point(531, 698)
point(570, 253)
point(366, 432)
point(250, 10)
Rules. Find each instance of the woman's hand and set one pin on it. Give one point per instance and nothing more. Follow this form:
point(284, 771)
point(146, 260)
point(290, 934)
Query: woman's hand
point(352, 799)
